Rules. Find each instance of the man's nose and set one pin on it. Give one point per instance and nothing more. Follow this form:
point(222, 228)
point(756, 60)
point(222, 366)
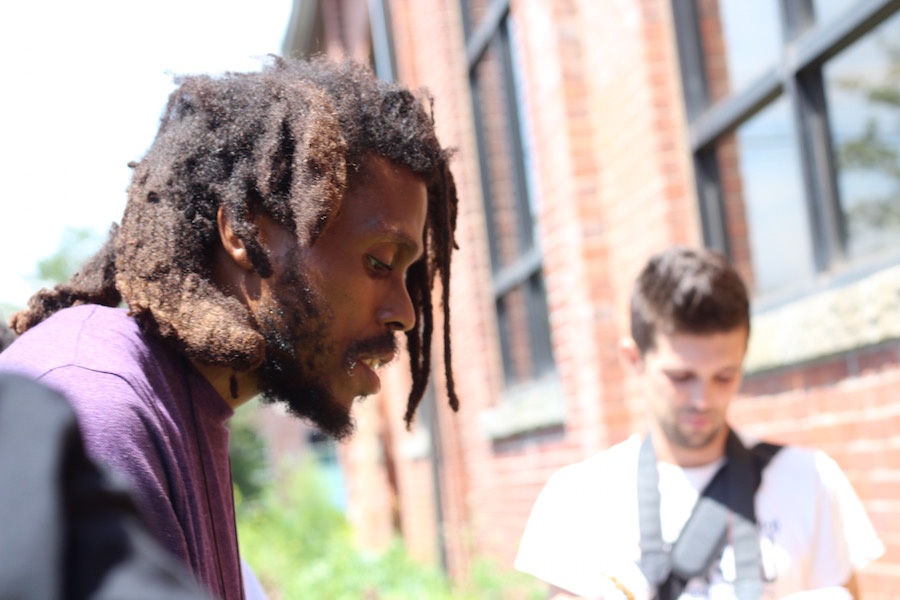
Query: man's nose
point(701, 394)
point(397, 312)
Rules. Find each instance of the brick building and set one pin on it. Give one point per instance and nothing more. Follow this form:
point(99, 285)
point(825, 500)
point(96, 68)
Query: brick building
point(590, 134)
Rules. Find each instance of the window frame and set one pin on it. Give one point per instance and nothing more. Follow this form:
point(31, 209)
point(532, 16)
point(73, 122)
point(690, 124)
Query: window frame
point(526, 270)
point(797, 75)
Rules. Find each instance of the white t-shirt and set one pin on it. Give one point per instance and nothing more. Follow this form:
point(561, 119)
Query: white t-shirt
point(583, 532)
point(253, 589)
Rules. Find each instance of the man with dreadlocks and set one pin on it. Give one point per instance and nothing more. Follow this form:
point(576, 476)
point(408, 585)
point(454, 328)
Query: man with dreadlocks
point(282, 228)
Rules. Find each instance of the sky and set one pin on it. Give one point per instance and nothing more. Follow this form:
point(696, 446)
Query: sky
point(84, 84)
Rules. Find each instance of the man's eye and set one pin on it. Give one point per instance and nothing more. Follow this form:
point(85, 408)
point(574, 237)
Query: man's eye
point(377, 265)
point(680, 377)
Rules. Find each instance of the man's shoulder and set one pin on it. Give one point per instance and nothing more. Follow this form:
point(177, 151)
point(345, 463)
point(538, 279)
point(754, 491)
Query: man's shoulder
point(782, 456)
point(90, 353)
point(779, 455)
point(799, 468)
point(89, 336)
point(91, 319)
point(812, 460)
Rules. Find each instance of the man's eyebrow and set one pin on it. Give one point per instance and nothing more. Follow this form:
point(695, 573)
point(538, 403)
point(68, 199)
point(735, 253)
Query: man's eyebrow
point(394, 235)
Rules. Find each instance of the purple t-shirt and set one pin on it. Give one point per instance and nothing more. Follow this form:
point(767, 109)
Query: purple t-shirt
point(149, 415)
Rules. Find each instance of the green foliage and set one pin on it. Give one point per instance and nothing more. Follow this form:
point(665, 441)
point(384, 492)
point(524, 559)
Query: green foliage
point(7, 309)
point(488, 582)
point(870, 151)
point(77, 245)
point(249, 455)
point(875, 149)
point(301, 546)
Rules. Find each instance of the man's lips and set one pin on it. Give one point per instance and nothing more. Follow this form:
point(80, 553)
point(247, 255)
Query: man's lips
point(696, 420)
point(374, 352)
point(366, 368)
point(369, 355)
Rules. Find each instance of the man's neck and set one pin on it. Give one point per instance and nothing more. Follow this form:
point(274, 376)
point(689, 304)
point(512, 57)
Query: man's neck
point(235, 388)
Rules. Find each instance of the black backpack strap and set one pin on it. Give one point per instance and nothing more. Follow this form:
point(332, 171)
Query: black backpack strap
point(745, 534)
point(743, 479)
point(763, 453)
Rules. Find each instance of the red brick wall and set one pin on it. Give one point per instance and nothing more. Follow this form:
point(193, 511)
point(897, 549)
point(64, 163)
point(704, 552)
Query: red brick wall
point(614, 184)
point(848, 407)
point(430, 53)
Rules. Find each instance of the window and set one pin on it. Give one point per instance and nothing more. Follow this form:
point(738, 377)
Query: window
point(862, 89)
point(516, 258)
point(794, 115)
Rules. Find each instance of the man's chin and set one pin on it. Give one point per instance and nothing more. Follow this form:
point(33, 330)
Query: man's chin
point(325, 414)
point(340, 433)
point(689, 438)
point(697, 440)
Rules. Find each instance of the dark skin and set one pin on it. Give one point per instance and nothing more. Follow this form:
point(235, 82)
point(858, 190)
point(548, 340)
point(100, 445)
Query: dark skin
point(358, 266)
point(298, 135)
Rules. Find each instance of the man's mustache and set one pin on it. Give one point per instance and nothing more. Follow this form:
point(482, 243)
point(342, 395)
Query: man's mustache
point(383, 344)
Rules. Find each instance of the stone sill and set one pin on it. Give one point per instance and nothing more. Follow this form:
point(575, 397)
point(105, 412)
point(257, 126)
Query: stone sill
point(525, 408)
point(859, 314)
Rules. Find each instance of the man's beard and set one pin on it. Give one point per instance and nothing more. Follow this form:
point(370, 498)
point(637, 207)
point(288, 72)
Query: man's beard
point(685, 440)
point(296, 326)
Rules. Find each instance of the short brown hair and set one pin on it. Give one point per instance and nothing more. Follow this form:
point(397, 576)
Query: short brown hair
point(687, 290)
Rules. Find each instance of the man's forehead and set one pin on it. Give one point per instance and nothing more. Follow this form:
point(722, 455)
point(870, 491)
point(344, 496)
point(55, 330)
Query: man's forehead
point(384, 201)
point(687, 347)
point(392, 218)
point(373, 165)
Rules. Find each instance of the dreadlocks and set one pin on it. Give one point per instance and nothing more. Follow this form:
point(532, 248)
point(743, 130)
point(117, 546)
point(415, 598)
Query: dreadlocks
point(285, 142)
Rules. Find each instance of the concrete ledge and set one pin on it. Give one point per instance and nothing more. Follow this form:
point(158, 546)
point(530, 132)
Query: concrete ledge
point(530, 407)
point(859, 314)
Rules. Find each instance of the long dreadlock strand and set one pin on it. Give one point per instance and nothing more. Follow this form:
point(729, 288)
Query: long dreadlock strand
point(449, 191)
point(419, 343)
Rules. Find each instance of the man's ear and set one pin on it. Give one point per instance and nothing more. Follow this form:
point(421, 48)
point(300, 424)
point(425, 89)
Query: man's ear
point(631, 354)
point(231, 242)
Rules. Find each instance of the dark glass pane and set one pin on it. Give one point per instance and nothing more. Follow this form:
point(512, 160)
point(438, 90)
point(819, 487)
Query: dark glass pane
point(863, 91)
point(766, 213)
point(473, 12)
point(525, 332)
point(510, 212)
point(507, 207)
point(542, 352)
point(741, 40)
